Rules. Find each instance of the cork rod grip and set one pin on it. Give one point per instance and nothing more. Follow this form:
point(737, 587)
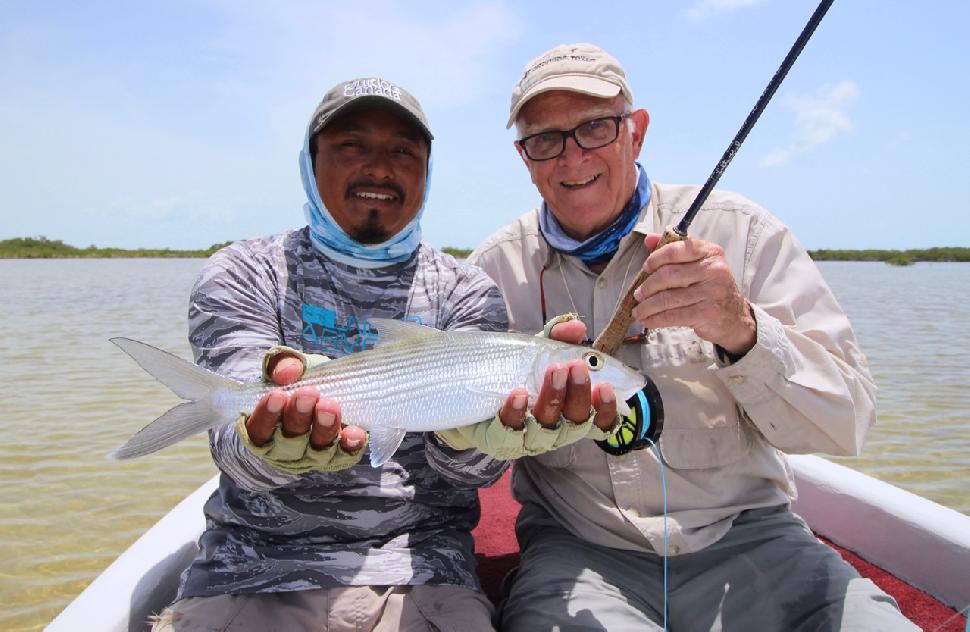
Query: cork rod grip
point(612, 336)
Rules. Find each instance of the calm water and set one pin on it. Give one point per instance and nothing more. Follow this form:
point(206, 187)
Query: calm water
point(69, 397)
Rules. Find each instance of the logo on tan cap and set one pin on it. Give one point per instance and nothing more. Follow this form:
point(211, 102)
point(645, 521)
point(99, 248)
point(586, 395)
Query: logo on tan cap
point(583, 68)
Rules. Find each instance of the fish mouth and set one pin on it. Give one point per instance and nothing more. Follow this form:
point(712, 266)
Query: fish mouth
point(624, 380)
point(629, 383)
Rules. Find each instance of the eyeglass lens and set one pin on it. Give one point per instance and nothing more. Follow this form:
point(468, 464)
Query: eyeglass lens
point(590, 135)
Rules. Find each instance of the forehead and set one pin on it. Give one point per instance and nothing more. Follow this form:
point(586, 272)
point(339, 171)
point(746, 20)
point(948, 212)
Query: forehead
point(374, 120)
point(561, 109)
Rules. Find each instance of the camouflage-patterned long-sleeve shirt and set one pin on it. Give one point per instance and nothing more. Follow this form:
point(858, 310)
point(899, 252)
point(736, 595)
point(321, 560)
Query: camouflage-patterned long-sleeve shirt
point(407, 522)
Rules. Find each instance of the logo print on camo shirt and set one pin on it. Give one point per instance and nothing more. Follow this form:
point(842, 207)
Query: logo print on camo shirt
point(324, 333)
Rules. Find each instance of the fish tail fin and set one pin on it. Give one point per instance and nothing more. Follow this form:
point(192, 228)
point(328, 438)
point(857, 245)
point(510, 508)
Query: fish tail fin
point(188, 381)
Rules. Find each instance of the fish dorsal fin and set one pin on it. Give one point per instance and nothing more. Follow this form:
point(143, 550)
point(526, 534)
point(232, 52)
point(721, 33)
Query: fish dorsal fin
point(384, 442)
point(389, 330)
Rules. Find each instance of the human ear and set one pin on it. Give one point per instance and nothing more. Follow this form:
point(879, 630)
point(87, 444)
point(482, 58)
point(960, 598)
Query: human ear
point(641, 121)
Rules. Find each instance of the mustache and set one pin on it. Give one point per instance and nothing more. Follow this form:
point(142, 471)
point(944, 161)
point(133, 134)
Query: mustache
point(394, 187)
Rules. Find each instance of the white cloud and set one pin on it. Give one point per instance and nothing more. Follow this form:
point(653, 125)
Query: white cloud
point(704, 9)
point(819, 118)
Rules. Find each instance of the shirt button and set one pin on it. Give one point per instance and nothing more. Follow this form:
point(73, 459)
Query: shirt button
point(601, 283)
point(737, 379)
point(673, 549)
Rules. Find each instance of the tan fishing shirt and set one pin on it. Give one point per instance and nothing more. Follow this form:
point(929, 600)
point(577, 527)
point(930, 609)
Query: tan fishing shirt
point(804, 387)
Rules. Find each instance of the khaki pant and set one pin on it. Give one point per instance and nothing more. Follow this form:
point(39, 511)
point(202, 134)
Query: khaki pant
point(348, 609)
point(769, 573)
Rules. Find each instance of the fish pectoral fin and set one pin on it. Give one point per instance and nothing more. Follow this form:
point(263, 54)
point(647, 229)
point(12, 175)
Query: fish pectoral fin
point(390, 330)
point(384, 442)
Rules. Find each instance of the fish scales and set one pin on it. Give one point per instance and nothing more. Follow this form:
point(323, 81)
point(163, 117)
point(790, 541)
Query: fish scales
point(414, 379)
point(480, 372)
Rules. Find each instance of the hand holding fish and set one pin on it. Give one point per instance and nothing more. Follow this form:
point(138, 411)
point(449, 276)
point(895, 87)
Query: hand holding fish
point(565, 390)
point(296, 429)
point(691, 285)
point(300, 412)
point(561, 414)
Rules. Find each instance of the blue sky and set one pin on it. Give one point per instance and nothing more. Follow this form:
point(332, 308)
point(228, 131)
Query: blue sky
point(179, 123)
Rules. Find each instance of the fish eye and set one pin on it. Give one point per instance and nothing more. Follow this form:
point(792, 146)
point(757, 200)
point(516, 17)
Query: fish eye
point(594, 361)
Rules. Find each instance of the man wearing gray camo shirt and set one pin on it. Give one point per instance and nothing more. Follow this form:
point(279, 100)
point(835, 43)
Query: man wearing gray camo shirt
point(299, 535)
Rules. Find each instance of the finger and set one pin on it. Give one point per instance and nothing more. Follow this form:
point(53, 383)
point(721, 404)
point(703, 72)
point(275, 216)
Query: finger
point(571, 331)
point(651, 240)
point(688, 316)
point(683, 251)
point(285, 369)
point(513, 410)
point(352, 438)
point(670, 276)
point(711, 269)
point(575, 407)
point(298, 412)
point(549, 402)
point(268, 412)
point(668, 300)
point(604, 403)
point(326, 424)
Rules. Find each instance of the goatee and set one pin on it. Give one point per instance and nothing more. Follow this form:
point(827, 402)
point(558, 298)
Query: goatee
point(372, 232)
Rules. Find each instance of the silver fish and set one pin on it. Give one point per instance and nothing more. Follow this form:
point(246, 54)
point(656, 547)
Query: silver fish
point(416, 378)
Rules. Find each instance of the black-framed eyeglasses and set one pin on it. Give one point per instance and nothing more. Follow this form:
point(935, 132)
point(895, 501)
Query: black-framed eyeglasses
point(593, 134)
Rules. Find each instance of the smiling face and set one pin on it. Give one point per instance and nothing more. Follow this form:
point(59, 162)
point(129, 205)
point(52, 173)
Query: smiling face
point(371, 166)
point(586, 189)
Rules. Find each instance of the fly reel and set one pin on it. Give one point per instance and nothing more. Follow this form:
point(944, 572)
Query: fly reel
point(642, 426)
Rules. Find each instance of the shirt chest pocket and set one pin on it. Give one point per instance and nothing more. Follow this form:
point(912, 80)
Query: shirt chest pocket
point(702, 425)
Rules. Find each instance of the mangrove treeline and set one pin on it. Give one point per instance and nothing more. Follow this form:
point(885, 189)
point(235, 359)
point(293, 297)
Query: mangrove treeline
point(44, 248)
point(895, 257)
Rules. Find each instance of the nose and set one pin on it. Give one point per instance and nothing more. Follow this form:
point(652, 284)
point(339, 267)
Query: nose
point(379, 165)
point(572, 152)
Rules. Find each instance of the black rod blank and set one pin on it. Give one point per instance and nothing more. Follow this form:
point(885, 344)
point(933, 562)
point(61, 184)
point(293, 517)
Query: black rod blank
point(681, 228)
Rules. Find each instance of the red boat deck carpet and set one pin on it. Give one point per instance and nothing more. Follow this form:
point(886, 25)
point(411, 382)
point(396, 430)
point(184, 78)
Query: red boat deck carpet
point(498, 552)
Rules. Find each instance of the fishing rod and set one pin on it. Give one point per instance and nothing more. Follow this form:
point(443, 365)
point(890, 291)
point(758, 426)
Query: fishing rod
point(612, 336)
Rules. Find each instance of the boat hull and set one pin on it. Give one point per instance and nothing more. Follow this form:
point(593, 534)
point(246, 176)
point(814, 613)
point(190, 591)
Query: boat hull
point(906, 535)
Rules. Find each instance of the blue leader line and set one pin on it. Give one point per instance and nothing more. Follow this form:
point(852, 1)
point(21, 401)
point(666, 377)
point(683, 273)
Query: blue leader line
point(663, 487)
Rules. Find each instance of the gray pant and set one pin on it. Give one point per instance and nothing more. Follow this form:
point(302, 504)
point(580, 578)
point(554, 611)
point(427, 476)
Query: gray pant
point(768, 573)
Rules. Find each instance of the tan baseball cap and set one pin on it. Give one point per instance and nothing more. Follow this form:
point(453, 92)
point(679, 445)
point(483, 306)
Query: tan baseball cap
point(374, 91)
point(584, 68)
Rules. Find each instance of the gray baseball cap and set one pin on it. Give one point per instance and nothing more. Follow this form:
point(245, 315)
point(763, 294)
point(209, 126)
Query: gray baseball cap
point(584, 68)
point(371, 90)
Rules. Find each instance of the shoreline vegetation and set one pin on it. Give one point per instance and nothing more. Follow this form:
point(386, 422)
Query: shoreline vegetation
point(894, 257)
point(43, 248)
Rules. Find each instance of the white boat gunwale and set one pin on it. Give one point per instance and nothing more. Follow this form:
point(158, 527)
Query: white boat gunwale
point(919, 541)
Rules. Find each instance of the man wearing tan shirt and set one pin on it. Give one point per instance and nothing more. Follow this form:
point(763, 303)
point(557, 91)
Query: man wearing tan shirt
point(751, 355)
